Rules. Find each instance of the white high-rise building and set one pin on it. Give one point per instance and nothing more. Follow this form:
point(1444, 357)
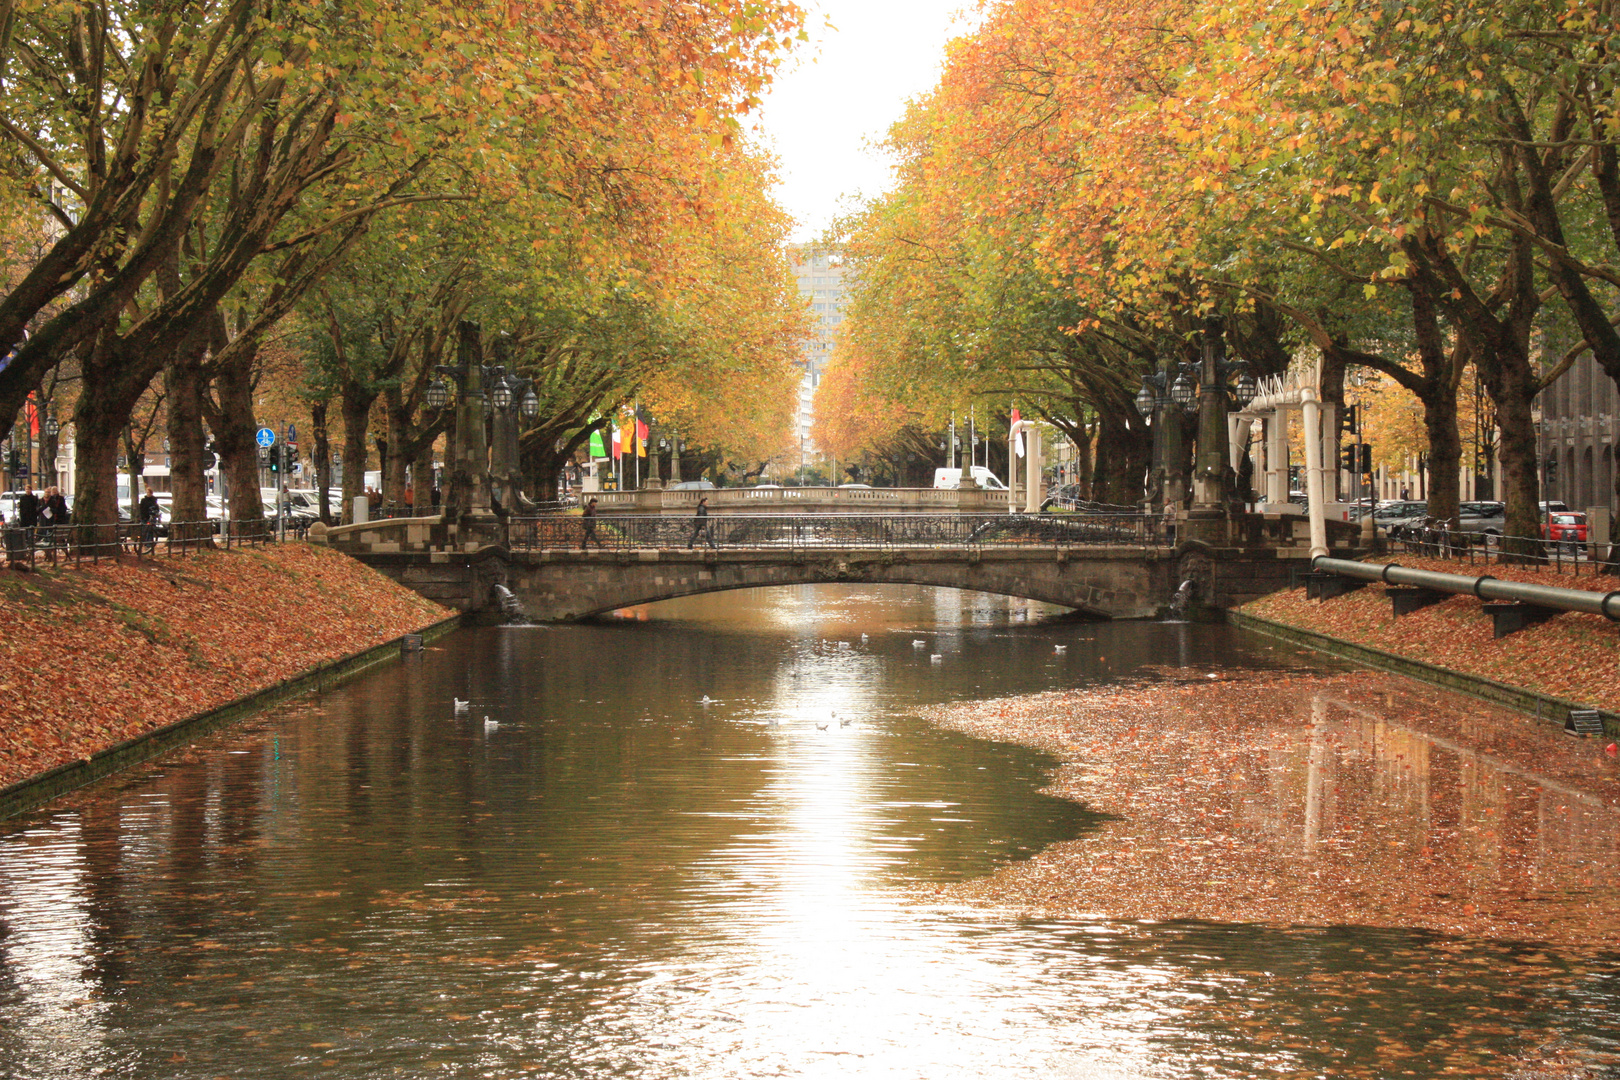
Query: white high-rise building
point(821, 282)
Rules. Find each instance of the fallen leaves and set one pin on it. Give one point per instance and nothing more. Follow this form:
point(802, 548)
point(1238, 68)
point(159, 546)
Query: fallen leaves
point(1305, 799)
point(1572, 656)
point(94, 656)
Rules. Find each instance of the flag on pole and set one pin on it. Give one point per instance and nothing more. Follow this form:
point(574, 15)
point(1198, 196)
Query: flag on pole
point(617, 446)
point(32, 413)
point(597, 448)
point(641, 439)
point(1018, 439)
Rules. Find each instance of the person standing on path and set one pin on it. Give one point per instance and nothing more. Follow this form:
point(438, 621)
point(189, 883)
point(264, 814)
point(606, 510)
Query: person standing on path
point(28, 514)
point(52, 512)
point(700, 524)
point(590, 527)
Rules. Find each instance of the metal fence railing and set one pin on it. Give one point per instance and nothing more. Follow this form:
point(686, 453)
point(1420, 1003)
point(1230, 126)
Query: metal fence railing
point(801, 531)
point(1485, 549)
point(77, 544)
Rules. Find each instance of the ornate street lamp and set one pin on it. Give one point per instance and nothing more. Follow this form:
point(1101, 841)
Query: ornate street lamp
point(501, 394)
point(1184, 391)
point(438, 394)
point(52, 427)
point(530, 406)
point(1146, 398)
point(1247, 387)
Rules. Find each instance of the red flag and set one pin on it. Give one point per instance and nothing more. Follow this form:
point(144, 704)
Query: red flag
point(617, 447)
point(641, 438)
point(32, 414)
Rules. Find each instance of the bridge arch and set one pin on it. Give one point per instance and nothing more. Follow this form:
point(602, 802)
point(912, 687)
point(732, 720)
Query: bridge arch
point(562, 586)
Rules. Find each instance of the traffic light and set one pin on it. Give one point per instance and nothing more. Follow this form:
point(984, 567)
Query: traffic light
point(14, 461)
point(1347, 458)
point(1366, 465)
point(1350, 419)
point(1357, 458)
point(275, 459)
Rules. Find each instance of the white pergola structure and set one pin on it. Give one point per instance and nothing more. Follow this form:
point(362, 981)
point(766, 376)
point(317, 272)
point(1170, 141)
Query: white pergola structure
point(1279, 394)
point(1032, 466)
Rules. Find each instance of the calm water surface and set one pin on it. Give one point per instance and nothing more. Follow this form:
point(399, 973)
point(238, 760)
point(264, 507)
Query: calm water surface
point(612, 876)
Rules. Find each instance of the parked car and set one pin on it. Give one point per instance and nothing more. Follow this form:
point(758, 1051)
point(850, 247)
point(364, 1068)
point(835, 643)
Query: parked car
point(1482, 519)
point(1401, 518)
point(691, 485)
point(1567, 530)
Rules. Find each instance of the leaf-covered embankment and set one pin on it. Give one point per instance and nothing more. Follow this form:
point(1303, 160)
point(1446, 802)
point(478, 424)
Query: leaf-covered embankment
point(94, 656)
point(1303, 799)
point(1571, 656)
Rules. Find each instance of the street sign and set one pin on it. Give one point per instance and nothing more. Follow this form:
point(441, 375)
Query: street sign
point(266, 438)
point(292, 433)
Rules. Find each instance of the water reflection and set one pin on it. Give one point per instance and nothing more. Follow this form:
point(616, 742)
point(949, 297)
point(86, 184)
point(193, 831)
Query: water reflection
point(620, 878)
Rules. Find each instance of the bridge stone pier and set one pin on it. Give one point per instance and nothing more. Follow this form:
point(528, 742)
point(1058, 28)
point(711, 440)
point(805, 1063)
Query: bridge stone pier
point(560, 583)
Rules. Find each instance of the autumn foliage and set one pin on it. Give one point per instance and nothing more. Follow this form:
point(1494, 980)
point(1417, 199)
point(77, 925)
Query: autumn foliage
point(1428, 190)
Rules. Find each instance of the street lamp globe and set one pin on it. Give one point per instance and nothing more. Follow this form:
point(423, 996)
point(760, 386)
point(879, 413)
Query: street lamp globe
point(1145, 399)
point(438, 395)
point(51, 426)
point(1182, 391)
point(1247, 388)
point(531, 405)
point(501, 396)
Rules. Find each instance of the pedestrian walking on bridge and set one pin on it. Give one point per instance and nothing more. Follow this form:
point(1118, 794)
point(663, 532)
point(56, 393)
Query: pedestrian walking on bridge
point(590, 527)
point(700, 524)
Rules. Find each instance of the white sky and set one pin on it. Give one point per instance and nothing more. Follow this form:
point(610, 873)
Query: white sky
point(844, 89)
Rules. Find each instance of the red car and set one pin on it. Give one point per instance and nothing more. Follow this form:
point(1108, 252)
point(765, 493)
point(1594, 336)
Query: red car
point(1568, 529)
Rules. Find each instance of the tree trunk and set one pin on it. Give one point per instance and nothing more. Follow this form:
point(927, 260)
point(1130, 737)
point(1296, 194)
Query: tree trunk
point(1083, 472)
point(97, 424)
point(398, 446)
point(1123, 456)
point(356, 408)
point(322, 452)
point(183, 379)
point(234, 439)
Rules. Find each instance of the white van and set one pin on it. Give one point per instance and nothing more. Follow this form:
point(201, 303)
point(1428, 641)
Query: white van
point(952, 478)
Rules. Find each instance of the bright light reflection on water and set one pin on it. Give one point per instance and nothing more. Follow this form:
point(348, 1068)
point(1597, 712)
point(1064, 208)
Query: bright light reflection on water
point(615, 877)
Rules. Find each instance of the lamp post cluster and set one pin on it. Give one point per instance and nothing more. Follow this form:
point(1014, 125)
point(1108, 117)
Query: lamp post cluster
point(484, 460)
point(1184, 390)
point(21, 458)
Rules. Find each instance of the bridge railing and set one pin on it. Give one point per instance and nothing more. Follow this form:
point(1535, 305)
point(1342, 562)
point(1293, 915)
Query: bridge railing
point(804, 531)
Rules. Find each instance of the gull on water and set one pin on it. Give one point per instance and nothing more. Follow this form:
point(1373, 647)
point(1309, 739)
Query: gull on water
point(706, 700)
point(919, 644)
point(459, 705)
point(1060, 648)
point(490, 725)
point(936, 658)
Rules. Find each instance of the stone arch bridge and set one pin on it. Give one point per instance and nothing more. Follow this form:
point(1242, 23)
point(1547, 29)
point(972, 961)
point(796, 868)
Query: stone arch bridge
point(1115, 566)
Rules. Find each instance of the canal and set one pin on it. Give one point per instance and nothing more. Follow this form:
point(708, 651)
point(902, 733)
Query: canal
point(700, 839)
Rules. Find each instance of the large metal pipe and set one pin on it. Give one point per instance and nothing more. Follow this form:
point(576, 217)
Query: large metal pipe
point(1485, 587)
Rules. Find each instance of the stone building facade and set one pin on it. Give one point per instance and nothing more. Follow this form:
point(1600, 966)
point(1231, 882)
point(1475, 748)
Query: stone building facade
point(1576, 436)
